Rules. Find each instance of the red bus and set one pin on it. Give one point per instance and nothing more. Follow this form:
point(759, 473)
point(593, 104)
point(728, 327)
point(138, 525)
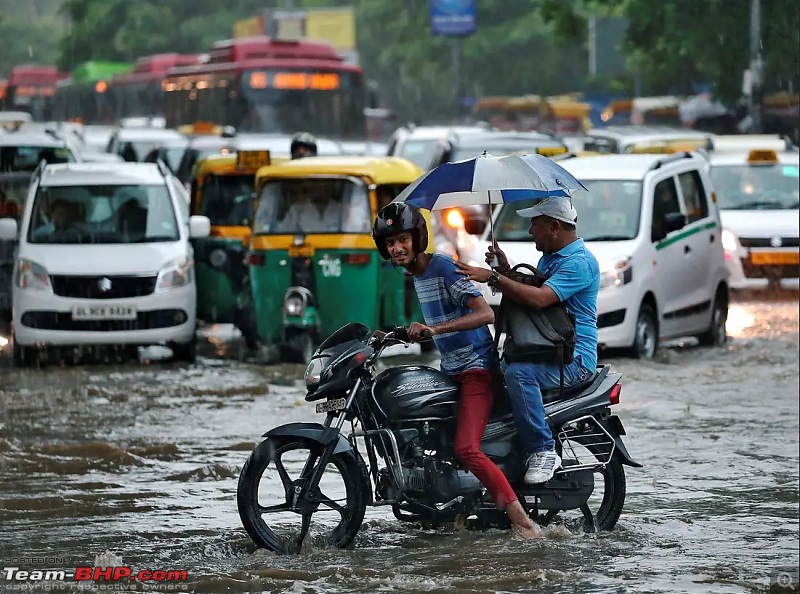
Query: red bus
point(262, 85)
point(32, 89)
point(140, 93)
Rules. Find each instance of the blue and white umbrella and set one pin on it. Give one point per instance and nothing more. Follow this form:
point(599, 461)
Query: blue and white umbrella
point(491, 180)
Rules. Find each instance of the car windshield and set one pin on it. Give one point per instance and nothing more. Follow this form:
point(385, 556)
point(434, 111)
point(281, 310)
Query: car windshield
point(227, 200)
point(420, 152)
point(761, 187)
point(313, 205)
point(26, 158)
point(609, 211)
point(103, 214)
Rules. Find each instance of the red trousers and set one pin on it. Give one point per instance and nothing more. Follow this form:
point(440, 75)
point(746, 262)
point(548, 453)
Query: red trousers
point(474, 407)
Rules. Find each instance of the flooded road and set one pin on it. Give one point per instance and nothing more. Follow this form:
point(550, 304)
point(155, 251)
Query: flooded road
point(140, 461)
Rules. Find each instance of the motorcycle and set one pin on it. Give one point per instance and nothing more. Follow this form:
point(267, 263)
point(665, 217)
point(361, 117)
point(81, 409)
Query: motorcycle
point(404, 420)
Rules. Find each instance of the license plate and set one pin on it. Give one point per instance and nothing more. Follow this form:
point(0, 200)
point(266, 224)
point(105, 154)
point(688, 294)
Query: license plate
point(767, 258)
point(331, 405)
point(104, 312)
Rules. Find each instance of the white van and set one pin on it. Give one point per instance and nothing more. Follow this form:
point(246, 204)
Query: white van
point(104, 258)
point(652, 223)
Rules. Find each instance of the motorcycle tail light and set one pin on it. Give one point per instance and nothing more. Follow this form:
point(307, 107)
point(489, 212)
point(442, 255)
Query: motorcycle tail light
point(614, 396)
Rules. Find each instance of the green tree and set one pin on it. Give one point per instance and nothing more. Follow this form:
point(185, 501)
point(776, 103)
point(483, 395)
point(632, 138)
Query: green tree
point(673, 43)
point(30, 32)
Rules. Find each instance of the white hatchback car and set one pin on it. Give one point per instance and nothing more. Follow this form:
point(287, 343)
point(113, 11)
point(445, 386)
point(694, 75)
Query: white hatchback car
point(104, 258)
point(758, 185)
point(652, 224)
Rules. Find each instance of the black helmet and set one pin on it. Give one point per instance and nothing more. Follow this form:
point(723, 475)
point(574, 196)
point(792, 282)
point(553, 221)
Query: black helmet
point(395, 218)
point(303, 139)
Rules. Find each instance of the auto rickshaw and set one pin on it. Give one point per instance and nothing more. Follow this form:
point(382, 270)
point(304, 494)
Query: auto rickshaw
point(313, 264)
point(222, 189)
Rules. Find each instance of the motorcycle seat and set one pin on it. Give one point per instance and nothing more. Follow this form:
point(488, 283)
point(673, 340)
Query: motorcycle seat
point(554, 394)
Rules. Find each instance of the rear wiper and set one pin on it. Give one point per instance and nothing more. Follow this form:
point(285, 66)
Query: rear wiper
point(608, 238)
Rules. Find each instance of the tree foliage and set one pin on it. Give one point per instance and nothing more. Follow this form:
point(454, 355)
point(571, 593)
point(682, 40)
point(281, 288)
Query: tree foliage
point(674, 43)
point(30, 32)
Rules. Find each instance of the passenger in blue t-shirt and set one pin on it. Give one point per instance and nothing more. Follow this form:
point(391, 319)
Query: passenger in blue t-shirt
point(574, 278)
point(457, 317)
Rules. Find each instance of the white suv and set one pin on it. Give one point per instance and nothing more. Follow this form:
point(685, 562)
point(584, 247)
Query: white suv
point(104, 258)
point(756, 179)
point(652, 223)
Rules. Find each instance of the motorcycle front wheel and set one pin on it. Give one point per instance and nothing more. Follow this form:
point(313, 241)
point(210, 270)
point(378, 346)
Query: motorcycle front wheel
point(274, 513)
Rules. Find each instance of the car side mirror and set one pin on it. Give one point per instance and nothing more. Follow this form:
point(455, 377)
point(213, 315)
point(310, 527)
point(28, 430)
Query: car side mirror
point(474, 226)
point(674, 221)
point(8, 229)
point(199, 226)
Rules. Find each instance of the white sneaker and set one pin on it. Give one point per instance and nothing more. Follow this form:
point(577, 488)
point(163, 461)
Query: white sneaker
point(541, 467)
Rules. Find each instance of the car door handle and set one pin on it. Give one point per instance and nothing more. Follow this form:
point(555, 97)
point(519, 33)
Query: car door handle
point(712, 238)
point(686, 249)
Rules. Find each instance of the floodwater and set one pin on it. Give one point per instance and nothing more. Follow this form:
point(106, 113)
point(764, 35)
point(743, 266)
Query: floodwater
point(138, 463)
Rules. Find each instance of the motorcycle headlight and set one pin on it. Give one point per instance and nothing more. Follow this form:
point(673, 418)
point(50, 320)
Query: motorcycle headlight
point(314, 371)
point(31, 275)
point(615, 273)
point(177, 273)
point(293, 306)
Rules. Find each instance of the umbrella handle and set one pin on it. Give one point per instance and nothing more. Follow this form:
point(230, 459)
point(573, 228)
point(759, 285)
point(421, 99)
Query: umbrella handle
point(495, 262)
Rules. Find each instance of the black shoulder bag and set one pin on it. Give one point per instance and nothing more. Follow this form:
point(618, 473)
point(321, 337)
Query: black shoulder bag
point(534, 335)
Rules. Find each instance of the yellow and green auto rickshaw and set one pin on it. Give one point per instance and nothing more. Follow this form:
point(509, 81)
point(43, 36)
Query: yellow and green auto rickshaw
point(222, 189)
point(313, 264)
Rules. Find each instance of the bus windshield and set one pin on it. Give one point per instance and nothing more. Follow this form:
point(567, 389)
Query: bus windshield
point(287, 101)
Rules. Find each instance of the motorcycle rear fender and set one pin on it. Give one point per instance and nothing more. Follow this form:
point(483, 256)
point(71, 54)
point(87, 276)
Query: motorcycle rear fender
point(315, 432)
point(613, 425)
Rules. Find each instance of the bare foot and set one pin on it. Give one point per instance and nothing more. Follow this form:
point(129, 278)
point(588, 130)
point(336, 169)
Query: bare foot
point(525, 533)
point(522, 526)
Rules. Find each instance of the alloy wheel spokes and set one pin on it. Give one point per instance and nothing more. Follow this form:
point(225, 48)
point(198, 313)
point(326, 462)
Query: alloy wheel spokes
point(332, 504)
point(271, 509)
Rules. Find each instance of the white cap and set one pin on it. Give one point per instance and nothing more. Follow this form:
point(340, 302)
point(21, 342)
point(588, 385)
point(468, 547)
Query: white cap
point(555, 207)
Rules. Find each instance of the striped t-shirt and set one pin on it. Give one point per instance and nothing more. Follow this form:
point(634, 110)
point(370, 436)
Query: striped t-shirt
point(443, 294)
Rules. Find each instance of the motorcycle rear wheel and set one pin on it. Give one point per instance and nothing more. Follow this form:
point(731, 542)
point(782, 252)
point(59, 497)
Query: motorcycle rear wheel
point(275, 526)
point(605, 509)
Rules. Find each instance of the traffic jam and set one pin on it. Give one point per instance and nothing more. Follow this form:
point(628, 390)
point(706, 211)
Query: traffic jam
point(201, 333)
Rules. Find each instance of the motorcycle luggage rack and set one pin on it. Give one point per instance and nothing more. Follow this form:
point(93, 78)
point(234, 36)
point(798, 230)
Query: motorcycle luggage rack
point(396, 467)
point(590, 434)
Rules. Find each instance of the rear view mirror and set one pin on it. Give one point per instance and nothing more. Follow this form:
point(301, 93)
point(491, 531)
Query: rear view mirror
point(674, 221)
point(8, 230)
point(474, 226)
point(199, 226)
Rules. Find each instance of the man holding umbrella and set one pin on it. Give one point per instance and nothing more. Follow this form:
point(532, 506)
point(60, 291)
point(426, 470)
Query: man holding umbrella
point(573, 278)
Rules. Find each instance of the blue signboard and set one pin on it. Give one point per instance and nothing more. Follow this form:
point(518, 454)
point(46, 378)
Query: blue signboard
point(453, 17)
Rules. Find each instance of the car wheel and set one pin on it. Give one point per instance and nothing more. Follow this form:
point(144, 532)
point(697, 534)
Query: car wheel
point(24, 356)
point(645, 339)
point(186, 352)
point(716, 334)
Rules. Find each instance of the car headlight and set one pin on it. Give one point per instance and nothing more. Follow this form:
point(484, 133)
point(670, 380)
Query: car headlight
point(177, 273)
point(729, 243)
point(615, 273)
point(31, 275)
point(293, 306)
point(314, 371)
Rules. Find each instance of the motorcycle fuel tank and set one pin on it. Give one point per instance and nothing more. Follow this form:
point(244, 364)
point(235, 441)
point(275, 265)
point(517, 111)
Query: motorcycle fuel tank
point(413, 392)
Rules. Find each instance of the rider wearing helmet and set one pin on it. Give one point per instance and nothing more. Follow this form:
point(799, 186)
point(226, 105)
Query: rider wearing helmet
point(303, 145)
point(457, 317)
